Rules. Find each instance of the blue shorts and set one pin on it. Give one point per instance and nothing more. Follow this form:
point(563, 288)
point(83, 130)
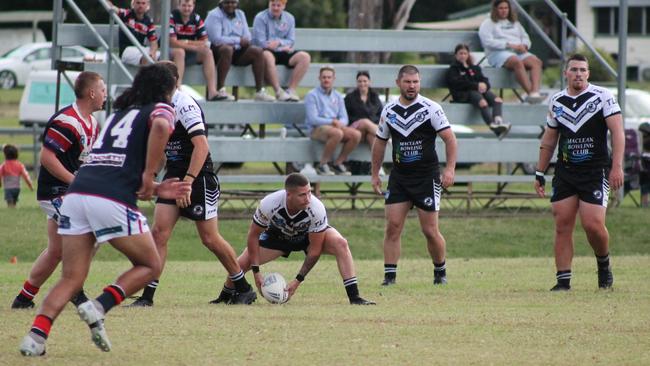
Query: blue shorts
point(498, 58)
point(11, 195)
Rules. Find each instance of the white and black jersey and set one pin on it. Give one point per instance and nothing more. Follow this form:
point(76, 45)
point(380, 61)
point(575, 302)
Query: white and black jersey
point(413, 129)
point(273, 215)
point(190, 122)
point(580, 121)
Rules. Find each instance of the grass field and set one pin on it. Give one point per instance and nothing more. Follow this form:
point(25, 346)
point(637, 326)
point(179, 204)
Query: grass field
point(496, 309)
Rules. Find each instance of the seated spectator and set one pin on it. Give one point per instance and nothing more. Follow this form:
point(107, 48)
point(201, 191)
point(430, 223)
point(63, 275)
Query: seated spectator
point(188, 40)
point(274, 30)
point(142, 28)
point(327, 121)
point(364, 107)
point(468, 85)
point(231, 44)
point(506, 44)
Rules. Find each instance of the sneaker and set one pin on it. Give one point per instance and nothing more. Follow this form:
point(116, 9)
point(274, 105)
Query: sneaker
point(382, 173)
point(340, 169)
point(605, 278)
point(29, 347)
point(439, 280)
point(361, 301)
point(282, 96)
point(293, 97)
point(222, 95)
point(559, 287)
point(308, 169)
point(262, 96)
point(89, 313)
point(140, 302)
point(20, 304)
point(323, 169)
point(505, 128)
point(224, 298)
point(534, 98)
point(243, 298)
point(388, 282)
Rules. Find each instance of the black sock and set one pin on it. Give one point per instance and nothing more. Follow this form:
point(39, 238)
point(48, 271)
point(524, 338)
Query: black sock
point(390, 271)
point(79, 298)
point(241, 285)
point(112, 295)
point(351, 287)
point(440, 269)
point(564, 278)
point(150, 290)
point(603, 262)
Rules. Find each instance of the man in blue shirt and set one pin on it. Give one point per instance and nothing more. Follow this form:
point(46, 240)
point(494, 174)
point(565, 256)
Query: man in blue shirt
point(327, 121)
point(274, 30)
point(231, 44)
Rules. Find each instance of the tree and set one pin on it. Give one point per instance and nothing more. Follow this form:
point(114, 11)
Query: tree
point(365, 14)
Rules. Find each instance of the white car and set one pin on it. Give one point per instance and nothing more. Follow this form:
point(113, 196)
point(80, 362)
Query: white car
point(16, 64)
point(637, 107)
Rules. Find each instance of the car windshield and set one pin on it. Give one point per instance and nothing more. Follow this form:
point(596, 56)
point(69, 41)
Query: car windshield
point(638, 105)
point(14, 53)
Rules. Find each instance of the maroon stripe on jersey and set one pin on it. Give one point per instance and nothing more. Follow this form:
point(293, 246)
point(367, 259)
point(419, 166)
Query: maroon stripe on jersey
point(163, 110)
point(56, 141)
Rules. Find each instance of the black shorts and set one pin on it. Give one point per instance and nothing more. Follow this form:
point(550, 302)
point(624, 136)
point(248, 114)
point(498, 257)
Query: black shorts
point(590, 185)
point(286, 246)
point(204, 198)
point(11, 195)
point(423, 192)
point(191, 58)
point(282, 58)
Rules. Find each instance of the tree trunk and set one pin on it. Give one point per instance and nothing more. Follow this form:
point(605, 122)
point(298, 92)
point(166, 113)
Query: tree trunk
point(399, 22)
point(365, 14)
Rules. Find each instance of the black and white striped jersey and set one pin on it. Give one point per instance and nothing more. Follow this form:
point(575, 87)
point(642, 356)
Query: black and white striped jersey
point(580, 121)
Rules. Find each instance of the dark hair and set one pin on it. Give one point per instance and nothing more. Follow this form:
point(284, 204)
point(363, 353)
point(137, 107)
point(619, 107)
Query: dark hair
point(512, 15)
point(152, 84)
point(171, 66)
point(464, 46)
point(363, 73)
point(10, 151)
point(295, 180)
point(577, 57)
point(407, 69)
point(326, 68)
point(84, 81)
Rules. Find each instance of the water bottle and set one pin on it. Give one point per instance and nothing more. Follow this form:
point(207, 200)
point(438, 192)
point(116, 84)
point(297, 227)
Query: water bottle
point(283, 133)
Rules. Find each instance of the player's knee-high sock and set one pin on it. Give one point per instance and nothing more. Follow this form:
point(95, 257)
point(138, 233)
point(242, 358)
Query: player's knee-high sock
point(564, 278)
point(440, 269)
point(351, 287)
point(390, 271)
point(150, 290)
point(112, 295)
point(241, 285)
point(28, 292)
point(79, 298)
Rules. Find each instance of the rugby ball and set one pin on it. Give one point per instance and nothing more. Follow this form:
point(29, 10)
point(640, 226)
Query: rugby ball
point(274, 288)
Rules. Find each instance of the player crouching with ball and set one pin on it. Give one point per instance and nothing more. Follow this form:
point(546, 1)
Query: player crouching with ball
point(291, 220)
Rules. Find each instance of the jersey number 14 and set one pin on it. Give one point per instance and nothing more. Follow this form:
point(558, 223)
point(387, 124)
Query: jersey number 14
point(119, 132)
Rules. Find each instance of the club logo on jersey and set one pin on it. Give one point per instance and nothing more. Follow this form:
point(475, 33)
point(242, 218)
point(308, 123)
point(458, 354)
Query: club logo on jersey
point(57, 202)
point(197, 210)
point(598, 195)
point(428, 201)
point(557, 111)
point(591, 107)
point(420, 116)
point(392, 118)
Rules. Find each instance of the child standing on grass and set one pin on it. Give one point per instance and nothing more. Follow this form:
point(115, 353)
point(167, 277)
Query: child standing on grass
point(10, 172)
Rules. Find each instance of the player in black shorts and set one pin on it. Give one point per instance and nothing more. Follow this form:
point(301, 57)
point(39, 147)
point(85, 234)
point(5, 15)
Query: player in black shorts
point(188, 158)
point(413, 122)
point(579, 118)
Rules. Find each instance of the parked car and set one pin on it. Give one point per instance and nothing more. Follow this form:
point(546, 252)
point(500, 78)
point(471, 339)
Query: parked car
point(637, 107)
point(16, 64)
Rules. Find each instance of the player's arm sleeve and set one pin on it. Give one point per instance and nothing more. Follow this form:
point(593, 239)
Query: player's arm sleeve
point(610, 104)
point(550, 116)
point(166, 112)
point(439, 119)
point(59, 137)
point(262, 215)
point(382, 129)
point(319, 221)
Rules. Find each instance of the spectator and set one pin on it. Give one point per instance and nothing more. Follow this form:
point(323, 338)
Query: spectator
point(141, 26)
point(327, 121)
point(364, 108)
point(274, 30)
point(10, 172)
point(231, 44)
point(506, 44)
point(188, 41)
point(467, 84)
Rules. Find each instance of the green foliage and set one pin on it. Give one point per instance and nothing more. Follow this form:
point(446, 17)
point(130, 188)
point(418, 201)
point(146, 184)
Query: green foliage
point(598, 72)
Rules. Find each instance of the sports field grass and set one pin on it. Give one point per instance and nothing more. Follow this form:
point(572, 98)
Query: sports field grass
point(496, 308)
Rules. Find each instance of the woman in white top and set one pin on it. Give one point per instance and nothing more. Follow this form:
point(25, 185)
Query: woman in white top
point(506, 44)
